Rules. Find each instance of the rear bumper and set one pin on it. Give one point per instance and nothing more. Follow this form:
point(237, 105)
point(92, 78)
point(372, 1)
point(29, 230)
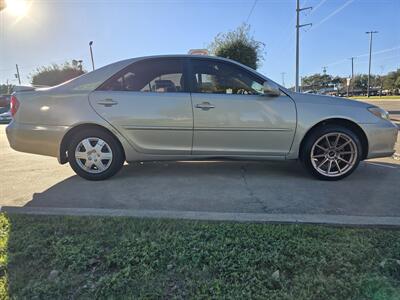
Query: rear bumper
point(382, 138)
point(36, 139)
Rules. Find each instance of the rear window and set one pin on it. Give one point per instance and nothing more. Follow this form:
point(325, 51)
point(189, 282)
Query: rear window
point(155, 75)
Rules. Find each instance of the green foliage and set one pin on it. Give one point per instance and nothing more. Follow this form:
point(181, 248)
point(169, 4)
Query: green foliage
point(360, 81)
point(319, 81)
point(119, 258)
point(392, 80)
point(4, 235)
point(239, 45)
point(6, 89)
point(56, 74)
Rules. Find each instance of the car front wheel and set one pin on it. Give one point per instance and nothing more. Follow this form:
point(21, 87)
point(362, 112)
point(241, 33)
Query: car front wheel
point(332, 152)
point(95, 154)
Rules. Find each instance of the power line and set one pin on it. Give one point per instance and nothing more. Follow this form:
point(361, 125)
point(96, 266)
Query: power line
point(380, 51)
point(324, 20)
point(380, 59)
point(251, 11)
point(343, 60)
point(333, 13)
point(318, 6)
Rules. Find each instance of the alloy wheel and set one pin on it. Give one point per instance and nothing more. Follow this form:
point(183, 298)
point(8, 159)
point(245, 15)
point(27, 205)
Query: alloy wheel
point(334, 154)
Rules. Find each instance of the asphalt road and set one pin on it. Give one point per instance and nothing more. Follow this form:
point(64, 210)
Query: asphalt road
point(252, 187)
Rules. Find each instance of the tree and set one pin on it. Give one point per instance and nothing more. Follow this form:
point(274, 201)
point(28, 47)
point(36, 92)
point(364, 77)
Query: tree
point(360, 82)
point(6, 89)
point(56, 74)
point(239, 45)
point(392, 81)
point(317, 81)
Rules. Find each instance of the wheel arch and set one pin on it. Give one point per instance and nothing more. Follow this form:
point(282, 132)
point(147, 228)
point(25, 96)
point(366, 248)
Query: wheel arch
point(353, 126)
point(63, 156)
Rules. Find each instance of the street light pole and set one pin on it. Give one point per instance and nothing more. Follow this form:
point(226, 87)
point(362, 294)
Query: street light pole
point(91, 53)
point(370, 54)
point(298, 26)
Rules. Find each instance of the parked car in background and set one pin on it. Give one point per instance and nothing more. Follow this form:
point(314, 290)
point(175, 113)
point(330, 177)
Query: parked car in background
point(4, 101)
point(179, 107)
point(5, 117)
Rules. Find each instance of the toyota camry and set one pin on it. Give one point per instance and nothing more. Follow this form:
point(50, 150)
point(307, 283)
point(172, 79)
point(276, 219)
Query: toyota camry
point(185, 107)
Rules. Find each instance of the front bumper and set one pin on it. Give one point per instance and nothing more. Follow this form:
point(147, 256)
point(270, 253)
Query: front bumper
point(382, 138)
point(36, 139)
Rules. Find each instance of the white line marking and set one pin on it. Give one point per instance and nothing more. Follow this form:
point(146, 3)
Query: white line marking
point(381, 165)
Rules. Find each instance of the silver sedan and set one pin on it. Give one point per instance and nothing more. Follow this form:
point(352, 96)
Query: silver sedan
point(180, 107)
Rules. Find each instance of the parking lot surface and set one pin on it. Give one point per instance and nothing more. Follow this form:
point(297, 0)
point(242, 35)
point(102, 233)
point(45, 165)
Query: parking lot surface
point(249, 187)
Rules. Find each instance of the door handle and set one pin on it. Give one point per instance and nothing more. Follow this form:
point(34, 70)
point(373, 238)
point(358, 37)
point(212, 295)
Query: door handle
point(107, 102)
point(205, 106)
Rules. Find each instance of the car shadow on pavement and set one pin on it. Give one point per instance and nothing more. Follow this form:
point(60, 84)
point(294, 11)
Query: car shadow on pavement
point(255, 187)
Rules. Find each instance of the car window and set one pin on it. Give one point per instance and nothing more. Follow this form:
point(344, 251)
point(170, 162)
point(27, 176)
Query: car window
point(160, 76)
point(216, 77)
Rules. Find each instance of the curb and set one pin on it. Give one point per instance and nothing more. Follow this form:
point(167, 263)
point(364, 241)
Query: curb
point(335, 220)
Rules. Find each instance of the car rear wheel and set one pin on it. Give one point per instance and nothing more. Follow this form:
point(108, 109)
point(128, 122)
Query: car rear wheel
point(95, 154)
point(332, 152)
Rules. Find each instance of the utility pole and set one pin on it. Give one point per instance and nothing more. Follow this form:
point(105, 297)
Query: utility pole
point(298, 26)
point(352, 67)
point(370, 54)
point(352, 77)
point(17, 75)
point(91, 53)
point(283, 78)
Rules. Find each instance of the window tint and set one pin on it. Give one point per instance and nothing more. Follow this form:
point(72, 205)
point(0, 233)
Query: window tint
point(157, 75)
point(224, 78)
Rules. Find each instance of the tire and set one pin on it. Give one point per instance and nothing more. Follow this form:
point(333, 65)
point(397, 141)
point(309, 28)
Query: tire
point(327, 161)
point(103, 158)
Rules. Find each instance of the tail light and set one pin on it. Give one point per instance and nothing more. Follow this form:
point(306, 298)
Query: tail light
point(14, 105)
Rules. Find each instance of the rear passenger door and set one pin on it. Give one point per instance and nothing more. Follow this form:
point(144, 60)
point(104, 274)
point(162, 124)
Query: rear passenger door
point(149, 103)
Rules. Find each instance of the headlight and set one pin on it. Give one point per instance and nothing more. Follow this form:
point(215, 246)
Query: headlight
point(379, 112)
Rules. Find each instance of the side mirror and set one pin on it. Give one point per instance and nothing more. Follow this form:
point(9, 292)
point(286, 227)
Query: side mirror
point(271, 89)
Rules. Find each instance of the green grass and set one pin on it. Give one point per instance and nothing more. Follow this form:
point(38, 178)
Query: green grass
point(376, 97)
point(119, 258)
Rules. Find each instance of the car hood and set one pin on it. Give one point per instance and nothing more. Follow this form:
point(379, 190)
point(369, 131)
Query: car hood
point(6, 114)
point(328, 100)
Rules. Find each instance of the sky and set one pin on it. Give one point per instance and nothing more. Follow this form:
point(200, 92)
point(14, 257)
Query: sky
point(55, 31)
